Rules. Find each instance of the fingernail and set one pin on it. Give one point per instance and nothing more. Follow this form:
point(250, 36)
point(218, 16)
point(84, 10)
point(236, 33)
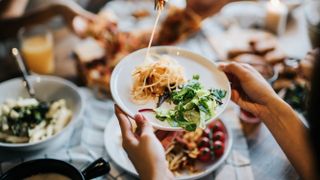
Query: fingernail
point(138, 116)
point(221, 66)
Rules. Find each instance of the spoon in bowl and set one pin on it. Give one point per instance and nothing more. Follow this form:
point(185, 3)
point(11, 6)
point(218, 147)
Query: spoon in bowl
point(15, 52)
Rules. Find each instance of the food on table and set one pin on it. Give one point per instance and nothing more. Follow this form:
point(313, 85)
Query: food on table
point(263, 53)
point(262, 46)
point(306, 64)
point(194, 105)
point(291, 85)
point(29, 120)
point(118, 44)
point(48, 176)
point(187, 149)
point(275, 56)
point(141, 13)
point(258, 62)
point(234, 52)
point(296, 96)
point(156, 75)
point(179, 25)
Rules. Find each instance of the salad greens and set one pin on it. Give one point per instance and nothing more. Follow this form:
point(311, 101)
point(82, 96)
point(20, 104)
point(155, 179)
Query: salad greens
point(28, 120)
point(194, 105)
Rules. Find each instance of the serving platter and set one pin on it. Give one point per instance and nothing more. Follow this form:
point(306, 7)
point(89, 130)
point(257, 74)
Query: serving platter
point(113, 145)
point(193, 64)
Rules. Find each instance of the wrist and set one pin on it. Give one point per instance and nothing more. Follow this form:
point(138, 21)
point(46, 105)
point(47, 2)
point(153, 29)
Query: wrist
point(156, 172)
point(277, 108)
point(157, 175)
point(160, 175)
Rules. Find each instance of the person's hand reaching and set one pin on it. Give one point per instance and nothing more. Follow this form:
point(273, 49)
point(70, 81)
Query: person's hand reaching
point(143, 148)
point(249, 89)
point(252, 93)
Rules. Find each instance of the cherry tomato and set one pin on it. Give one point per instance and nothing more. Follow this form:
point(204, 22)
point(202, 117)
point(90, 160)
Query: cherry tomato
point(204, 142)
point(216, 126)
point(218, 136)
point(205, 154)
point(206, 133)
point(218, 148)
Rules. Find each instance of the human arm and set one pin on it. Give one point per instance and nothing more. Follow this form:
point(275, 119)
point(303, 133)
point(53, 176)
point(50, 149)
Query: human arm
point(12, 8)
point(69, 10)
point(143, 148)
point(252, 93)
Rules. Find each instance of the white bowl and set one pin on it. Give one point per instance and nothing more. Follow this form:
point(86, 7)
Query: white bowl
point(121, 81)
point(47, 88)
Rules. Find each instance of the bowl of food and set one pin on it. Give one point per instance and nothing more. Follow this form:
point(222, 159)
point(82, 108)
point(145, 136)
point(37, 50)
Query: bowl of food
point(53, 169)
point(27, 123)
point(190, 155)
point(174, 88)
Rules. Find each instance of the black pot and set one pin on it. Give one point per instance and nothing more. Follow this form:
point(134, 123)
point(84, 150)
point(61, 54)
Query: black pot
point(40, 166)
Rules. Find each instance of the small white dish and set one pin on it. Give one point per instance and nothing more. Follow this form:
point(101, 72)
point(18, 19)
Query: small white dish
point(113, 145)
point(121, 81)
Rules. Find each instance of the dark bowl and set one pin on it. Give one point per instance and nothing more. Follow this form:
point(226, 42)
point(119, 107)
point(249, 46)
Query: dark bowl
point(42, 166)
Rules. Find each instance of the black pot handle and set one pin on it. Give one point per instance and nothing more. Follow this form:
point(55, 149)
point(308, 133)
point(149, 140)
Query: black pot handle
point(98, 168)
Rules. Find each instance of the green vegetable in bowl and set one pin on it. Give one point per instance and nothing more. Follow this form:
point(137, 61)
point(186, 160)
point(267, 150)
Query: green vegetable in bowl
point(194, 105)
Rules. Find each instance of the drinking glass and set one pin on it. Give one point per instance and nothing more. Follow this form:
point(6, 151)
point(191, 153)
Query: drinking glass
point(37, 48)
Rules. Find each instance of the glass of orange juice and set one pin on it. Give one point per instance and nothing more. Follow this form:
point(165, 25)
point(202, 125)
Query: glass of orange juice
point(37, 48)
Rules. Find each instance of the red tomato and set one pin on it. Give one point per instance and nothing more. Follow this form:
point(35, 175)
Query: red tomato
point(218, 148)
point(205, 154)
point(218, 136)
point(204, 142)
point(206, 133)
point(216, 126)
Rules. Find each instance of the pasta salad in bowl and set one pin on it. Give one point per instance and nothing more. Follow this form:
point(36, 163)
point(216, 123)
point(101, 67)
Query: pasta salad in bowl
point(48, 119)
point(28, 120)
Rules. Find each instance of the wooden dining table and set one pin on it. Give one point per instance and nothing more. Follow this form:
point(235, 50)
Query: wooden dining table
point(267, 159)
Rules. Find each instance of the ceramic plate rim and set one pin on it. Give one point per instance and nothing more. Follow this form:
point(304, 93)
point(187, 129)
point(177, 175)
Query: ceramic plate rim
point(124, 60)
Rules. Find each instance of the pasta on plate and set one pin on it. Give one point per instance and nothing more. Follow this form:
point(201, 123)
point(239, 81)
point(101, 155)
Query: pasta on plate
point(156, 75)
point(29, 120)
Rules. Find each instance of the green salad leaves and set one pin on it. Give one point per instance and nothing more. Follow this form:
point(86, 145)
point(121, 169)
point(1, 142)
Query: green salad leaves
point(194, 105)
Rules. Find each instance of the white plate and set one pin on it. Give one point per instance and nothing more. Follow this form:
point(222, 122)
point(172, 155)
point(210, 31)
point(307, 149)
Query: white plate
point(113, 145)
point(121, 80)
